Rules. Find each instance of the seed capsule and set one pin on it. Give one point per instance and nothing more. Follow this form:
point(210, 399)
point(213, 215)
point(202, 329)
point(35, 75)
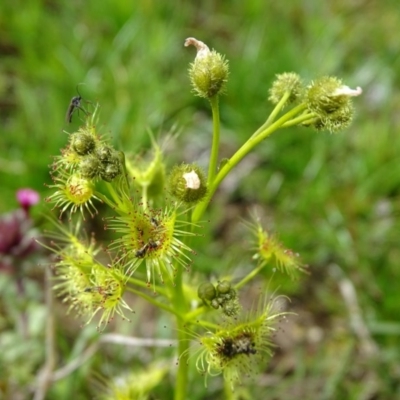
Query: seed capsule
point(223, 287)
point(206, 291)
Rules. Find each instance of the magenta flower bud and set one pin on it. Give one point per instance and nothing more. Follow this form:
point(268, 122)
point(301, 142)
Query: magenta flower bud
point(27, 197)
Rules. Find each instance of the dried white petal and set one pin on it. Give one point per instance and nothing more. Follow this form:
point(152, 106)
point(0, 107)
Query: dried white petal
point(202, 48)
point(346, 91)
point(192, 180)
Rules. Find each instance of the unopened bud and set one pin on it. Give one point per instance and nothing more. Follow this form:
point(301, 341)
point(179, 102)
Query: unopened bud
point(206, 291)
point(209, 71)
point(288, 82)
point(90, 167)
point(82, 143)
point(330, 101)
point(110, 172)
point(187, 183)
point(105, 153)
point(224, 287)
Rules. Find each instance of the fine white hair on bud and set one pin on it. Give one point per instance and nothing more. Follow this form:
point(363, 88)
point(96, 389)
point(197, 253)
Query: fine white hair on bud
point(202, 48)
point(192, 180)
point(346, 91)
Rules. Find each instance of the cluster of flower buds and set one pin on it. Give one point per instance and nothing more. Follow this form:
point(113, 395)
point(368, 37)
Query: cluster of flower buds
point(220, 296)
point(96, 160)
point(87, 159)
point(327, 100)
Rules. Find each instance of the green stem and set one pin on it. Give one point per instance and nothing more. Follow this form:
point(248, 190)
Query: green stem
point(195, 313)
point(152, 301)
point(273, 114)
point(144, 197)
point(309, 118)
point(126, 179)
point(141, 283)
point(118, 201)
point(206, 324)
point(183, 369)
point(228, 390)
point(240, 154)
point(105, 199)
point(249, 276)
point(180, 305)
point(215, 142)
point(113, 193)
point(190, 318)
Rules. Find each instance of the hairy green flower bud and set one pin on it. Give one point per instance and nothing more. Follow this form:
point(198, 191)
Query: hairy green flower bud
point(187, 183)
point(90, 167)
point(110, 172)
point(105, 153)
point(209, 71)
point(82, 143)
point(224, 287)
point(331, 101)
point(206, 291)
point(231, 309)
point(227, 299)
point(109, 163)
point(288, 82)
point(222, 297)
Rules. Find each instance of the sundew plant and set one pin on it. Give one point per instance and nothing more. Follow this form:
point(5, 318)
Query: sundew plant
point(154, 215)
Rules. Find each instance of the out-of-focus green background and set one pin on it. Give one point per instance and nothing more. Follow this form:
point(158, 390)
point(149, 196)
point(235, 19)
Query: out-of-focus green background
point(333, 198)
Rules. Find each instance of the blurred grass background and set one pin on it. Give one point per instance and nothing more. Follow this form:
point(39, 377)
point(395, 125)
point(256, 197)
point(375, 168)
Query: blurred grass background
point(333, 198)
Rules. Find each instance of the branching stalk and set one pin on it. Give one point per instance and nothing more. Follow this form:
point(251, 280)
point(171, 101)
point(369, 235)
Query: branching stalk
point(240, 154)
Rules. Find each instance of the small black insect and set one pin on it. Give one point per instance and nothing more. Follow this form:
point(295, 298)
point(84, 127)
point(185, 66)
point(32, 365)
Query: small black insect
point(75, 104)
point(142, 251)
point(153, 244)
point(241, 344)
point(98, 289)
point(154, 222)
